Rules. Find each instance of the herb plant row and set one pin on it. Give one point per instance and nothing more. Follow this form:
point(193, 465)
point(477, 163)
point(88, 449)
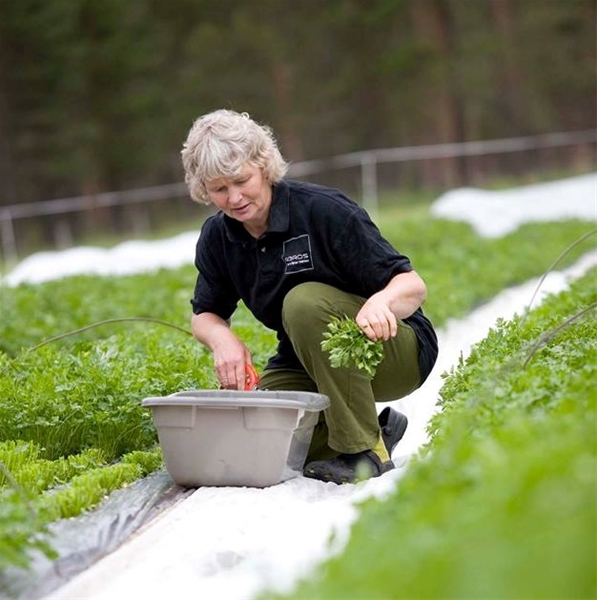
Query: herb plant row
point(72, 407)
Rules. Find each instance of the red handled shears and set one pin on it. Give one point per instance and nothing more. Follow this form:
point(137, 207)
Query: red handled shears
point(251, 377)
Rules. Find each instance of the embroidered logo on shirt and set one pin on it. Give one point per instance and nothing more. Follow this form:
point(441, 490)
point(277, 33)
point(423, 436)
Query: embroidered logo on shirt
point(296, 254)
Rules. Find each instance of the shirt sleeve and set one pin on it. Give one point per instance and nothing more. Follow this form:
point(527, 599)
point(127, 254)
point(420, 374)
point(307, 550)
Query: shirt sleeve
point(214, 289)
point(368, 261)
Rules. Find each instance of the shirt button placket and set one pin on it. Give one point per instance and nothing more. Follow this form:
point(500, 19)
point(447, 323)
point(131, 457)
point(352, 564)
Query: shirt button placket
point(265, 261)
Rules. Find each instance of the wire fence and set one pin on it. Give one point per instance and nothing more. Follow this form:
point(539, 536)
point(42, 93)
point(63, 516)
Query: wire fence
point(58, 219)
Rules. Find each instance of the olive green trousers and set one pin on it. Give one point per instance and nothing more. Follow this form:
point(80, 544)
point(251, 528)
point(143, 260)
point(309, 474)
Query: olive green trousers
point(350, 423)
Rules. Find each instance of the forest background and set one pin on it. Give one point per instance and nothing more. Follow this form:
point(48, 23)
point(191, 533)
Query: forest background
point(98, 95)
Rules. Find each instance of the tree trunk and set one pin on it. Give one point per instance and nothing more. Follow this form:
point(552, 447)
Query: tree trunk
point(290, 138)
point(510, 76)
point(434, 25)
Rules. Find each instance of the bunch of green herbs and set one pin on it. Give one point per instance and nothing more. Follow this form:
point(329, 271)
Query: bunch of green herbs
point(349, 347)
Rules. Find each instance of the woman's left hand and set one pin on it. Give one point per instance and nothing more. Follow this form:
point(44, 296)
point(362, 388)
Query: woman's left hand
point(376, 320)
point(378, 317)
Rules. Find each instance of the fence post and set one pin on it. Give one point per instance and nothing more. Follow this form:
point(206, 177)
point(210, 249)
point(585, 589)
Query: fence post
point(369, 184)
point(7, 235)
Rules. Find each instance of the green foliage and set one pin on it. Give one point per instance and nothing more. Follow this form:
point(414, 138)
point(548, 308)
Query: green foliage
point(501, 504)
point(35, 492)
point(69, 399)
point(462, 270)
point(71, 421)
point(89, 488)
point(349, 347)
point(33, 313)
point(22, 530)
point(35, 474)
point(70, 411)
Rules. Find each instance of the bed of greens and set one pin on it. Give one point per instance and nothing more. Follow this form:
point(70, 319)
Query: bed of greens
point(502, 501)
point(78, 355)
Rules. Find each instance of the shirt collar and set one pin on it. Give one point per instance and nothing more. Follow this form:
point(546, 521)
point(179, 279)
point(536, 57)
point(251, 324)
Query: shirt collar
point(279, 216)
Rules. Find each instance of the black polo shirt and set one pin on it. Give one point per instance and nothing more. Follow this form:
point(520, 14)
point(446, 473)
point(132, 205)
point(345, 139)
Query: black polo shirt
point(314, 233)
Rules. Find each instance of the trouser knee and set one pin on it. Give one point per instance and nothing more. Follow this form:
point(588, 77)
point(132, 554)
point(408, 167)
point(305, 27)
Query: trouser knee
point(308, 308)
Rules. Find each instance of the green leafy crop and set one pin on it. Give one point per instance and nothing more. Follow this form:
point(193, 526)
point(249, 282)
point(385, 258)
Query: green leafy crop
point(501, 503)
point(70, 411)
point(349, 347)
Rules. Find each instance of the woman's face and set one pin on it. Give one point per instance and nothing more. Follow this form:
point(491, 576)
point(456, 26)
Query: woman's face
point(246, 197)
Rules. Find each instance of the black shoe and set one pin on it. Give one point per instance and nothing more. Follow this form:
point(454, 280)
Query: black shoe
point(393, 425)
point(348, 468)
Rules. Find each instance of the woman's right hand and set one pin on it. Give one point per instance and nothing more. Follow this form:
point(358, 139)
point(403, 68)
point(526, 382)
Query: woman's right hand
point(230, 359)
point(229, 352)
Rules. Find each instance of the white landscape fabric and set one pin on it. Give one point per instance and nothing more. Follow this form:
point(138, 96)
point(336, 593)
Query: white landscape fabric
point(231, 543)
point(137, 256)
point(497, 213)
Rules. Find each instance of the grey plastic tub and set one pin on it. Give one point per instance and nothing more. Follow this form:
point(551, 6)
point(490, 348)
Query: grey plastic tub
point(232, 438)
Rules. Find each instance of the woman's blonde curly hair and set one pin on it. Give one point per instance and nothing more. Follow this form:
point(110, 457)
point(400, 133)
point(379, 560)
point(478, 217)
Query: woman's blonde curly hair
point(220, 143)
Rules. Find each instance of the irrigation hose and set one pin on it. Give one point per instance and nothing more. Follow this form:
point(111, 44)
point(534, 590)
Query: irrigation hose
point(549, 335)
point(551, 268)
